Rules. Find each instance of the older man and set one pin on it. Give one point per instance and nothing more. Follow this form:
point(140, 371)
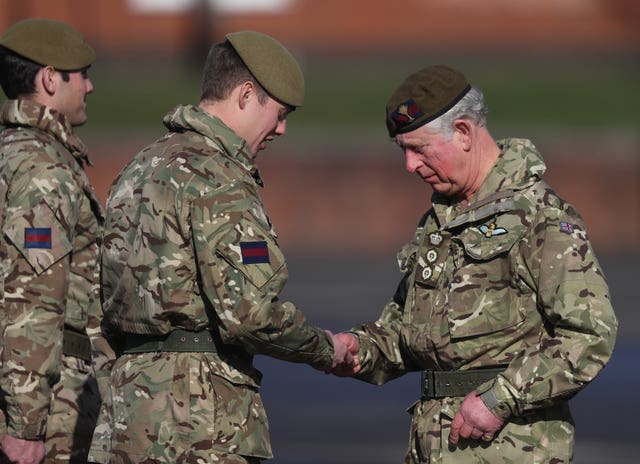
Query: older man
point(503, 305)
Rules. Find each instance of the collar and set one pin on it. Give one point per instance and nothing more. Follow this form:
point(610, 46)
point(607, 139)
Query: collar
point(519, 166)
point(228, 143)
point(25, 113)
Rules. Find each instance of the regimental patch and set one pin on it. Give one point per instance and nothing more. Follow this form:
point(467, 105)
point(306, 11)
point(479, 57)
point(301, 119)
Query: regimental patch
point(407, 112)
point(566, 227)
point(254, 252)
point(37, 237)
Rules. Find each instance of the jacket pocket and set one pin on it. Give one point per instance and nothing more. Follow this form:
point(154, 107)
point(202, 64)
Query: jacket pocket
point(484, 297)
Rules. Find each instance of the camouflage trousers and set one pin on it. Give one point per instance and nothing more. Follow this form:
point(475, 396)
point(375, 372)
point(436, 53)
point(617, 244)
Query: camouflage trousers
point(544, 436)
point(179, 408)
point(72, 415)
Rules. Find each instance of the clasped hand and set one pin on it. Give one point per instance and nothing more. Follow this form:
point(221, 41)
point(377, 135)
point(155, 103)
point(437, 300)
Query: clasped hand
point(474, 420)
point(345, 354)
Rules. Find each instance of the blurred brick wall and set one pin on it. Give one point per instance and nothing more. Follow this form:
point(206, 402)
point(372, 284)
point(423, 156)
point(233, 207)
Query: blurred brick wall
point(358, 25)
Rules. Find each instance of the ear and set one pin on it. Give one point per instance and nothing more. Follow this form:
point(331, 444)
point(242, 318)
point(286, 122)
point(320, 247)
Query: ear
point(463, 132)
point(245, 93)
point(47, 80)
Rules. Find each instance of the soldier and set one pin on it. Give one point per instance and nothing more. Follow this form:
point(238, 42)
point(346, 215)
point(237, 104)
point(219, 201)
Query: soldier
point(51, 221)
point(503, 305)
point(191, 272)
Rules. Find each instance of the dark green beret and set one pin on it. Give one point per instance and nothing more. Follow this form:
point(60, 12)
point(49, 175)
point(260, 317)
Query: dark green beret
point(423, 97)
point(49, 43)
point(273, 66)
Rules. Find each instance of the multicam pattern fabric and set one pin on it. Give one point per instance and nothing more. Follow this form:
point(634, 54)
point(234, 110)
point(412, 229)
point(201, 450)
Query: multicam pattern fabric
point(188, 245)
point(509, 280)
point(51, 222)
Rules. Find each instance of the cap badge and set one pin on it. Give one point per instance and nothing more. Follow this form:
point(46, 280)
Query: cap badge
point(407, 112)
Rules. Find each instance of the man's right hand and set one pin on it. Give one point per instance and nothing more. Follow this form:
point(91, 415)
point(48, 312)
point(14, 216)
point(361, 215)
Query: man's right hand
point(21, 451)
point(352, 345)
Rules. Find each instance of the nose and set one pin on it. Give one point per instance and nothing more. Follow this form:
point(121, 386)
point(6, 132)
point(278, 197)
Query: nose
point(89, 85)
point(281, 128)
point(412, 161)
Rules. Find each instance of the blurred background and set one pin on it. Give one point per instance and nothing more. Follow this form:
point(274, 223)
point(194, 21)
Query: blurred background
point(565, 74)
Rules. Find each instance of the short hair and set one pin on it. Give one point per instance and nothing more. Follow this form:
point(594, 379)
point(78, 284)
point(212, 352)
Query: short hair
point(223, 71)
point(18, 74)
point(472, 107)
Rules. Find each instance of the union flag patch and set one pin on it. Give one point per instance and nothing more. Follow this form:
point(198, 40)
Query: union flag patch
point(37, 237)
point(566, 227)
point(254, 252)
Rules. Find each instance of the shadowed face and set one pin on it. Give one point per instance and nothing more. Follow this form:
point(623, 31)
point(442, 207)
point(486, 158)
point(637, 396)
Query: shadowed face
point(70, 97)
point(268, 121)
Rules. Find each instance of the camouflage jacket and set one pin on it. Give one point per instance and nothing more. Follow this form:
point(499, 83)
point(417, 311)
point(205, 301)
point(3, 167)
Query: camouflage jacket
point(510, 280)
point(51, 223)
point(188, 245)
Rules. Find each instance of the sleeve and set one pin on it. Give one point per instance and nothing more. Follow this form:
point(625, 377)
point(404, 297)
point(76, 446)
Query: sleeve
point(103, 355)
point(243, 271)
point(558, 262)
point(37, 227)
point(385, 349)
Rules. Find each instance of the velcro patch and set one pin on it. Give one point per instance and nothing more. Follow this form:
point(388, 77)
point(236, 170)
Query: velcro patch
point(37, 237)
point(254, 252)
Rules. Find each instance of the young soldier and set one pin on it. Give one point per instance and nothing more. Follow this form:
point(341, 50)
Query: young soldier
point(50, 224)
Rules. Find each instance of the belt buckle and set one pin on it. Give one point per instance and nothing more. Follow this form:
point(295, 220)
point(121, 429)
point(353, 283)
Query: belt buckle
point(427, 385)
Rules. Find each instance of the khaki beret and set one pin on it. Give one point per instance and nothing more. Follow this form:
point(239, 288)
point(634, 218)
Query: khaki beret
point(49, 43)
point(273, 66)
point(423, 97)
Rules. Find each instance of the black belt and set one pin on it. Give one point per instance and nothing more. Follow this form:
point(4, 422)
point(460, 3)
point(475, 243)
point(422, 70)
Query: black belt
point(441, 384)
point(76, 344)
point(177, 340)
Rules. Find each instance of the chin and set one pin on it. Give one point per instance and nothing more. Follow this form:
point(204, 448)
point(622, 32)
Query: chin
point(78, 120)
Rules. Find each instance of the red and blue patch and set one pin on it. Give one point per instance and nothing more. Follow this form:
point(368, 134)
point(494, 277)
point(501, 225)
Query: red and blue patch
point(254, 252)
point(37, 237)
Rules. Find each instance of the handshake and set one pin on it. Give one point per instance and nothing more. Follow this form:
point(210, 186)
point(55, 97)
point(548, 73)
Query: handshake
point(345, 354)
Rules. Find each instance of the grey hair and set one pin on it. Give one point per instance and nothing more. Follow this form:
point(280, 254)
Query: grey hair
point(472, 107)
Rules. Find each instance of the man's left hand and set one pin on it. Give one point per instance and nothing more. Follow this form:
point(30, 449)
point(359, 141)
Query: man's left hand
point(474, 420)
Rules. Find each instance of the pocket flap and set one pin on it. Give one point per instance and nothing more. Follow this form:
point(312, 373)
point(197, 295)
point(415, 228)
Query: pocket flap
point(252, 251)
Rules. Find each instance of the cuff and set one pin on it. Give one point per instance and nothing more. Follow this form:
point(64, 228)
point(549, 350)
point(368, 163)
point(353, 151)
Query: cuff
point(498, 398)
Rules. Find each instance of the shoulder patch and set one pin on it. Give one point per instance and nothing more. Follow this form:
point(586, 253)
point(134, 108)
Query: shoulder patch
point(566, 227)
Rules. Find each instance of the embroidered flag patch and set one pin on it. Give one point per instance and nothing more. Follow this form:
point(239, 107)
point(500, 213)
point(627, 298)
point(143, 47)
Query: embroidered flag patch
point(566, 227)
point(254, 252)
point(37, 237)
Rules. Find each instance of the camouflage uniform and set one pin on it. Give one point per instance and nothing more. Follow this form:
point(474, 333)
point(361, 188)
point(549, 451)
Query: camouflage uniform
point(188, 245)
point(510, 280)
point(51, 221)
